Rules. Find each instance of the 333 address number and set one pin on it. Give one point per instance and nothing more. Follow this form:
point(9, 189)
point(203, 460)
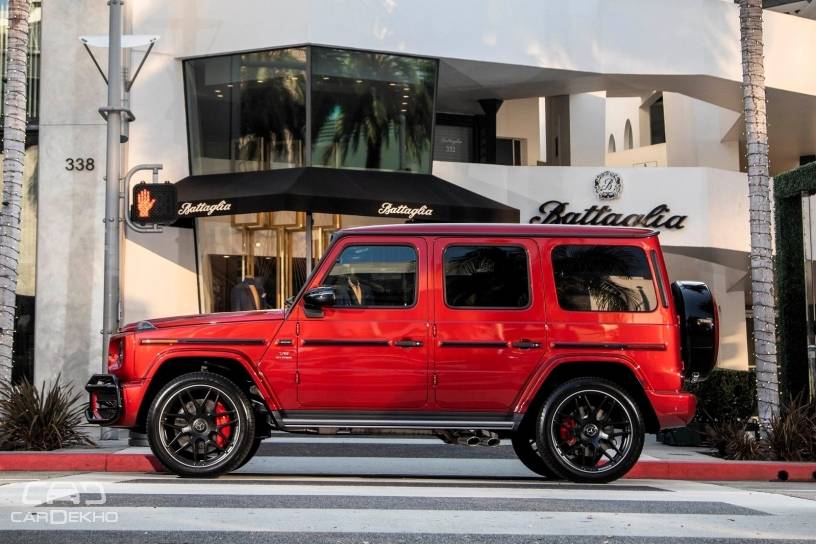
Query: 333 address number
point(80, 164)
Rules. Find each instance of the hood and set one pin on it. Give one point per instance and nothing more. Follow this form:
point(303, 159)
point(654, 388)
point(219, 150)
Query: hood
point(205, 319)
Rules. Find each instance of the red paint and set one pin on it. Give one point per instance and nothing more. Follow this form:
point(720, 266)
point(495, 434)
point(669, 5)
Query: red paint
point(277, 349)
point(760, 471)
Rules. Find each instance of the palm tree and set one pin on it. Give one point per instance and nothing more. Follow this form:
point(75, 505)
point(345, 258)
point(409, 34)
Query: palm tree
point(756, 136)
point(14, 132)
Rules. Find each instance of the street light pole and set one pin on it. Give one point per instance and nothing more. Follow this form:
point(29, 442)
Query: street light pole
point(113, 114)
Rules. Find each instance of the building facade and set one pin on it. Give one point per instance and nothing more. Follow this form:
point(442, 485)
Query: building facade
point(577, 112)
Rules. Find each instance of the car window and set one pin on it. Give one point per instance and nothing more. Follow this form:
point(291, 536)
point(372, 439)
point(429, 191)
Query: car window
point(486, 277)
point(603, 279)
point(374, 276)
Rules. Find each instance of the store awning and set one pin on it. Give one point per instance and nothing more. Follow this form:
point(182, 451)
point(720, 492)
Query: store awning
point(404, 195)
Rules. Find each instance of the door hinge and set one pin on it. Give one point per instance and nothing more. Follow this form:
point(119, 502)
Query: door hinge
point(297, 377)
point(297, 328)
point(433, 330)
point(434, 380)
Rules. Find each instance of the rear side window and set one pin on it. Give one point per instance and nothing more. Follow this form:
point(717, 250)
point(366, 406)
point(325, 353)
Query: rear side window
point(486, 277)
point(597, 278)
point(374, 276)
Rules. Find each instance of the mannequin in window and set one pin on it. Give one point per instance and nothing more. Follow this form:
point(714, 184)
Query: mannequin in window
point(350, 291)
point(248, 295)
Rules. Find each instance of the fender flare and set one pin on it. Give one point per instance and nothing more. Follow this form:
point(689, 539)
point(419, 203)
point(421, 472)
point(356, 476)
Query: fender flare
point(546, 368)
point(238, 357)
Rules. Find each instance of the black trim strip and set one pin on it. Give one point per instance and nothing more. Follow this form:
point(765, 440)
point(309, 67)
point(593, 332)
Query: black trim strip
point(341, 342)
point(206, 341)
point(472, 344)
point(608, 345)
point(477, 234)
point(659, 277)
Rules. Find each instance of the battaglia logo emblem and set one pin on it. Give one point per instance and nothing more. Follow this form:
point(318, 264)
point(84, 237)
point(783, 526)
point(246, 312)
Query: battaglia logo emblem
point(608, 185)
point(386, 208)
point(189, 208)
point(660, 217)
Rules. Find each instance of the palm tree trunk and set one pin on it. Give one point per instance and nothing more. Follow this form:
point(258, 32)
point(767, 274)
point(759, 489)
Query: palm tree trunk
point(756, 134)
point(14, 133)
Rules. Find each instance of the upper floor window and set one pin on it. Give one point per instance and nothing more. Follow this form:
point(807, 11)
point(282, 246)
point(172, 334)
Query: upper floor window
point(657, 124)
point(374, 276)
point(603, 279)
point(486, 277)
point(248, 111)
point(611, 147)
point(628, 139)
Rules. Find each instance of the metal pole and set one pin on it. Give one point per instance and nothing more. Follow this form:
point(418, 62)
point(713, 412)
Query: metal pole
point(110, 311)
point(309, 227)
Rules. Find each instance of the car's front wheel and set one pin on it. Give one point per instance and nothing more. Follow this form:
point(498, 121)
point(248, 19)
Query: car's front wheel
point(590, 430)
point(201, 425)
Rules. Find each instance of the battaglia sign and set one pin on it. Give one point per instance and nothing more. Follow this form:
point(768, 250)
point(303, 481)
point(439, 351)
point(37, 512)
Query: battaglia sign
point(660, 217)
point(386, 208)
point(190, 208)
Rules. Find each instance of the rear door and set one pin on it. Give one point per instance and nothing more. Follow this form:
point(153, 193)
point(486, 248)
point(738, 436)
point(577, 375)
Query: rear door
point(603, 298)
point(488, 321)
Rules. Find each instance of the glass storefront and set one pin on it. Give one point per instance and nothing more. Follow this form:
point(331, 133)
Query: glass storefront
point(250, 111)
point(256, 261)
point(287, 108)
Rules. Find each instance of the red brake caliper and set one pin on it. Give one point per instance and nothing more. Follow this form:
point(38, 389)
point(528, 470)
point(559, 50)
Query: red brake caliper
point(225, 432)
point(565, 432)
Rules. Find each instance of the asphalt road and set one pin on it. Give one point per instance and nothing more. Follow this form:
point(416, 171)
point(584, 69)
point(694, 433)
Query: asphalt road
point(394, 490)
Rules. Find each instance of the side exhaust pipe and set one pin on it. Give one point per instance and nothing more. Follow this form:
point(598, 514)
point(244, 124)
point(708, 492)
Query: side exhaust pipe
point(468, 440)
point(489, 439)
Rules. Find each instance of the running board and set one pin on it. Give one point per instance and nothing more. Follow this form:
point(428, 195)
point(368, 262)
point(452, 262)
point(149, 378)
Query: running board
point(302, 422)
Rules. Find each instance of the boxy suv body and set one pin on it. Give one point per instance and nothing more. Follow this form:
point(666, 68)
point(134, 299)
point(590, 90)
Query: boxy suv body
point(569, 341)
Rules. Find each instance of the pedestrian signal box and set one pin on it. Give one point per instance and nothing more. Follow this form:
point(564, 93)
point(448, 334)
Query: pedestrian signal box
point(154, 203)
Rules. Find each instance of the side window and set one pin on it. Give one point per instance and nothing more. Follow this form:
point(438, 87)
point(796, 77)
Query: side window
point(374, 276)
point(486, 277)
point(603, 279)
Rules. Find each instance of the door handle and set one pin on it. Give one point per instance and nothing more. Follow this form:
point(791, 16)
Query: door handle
point(406, 343)
point(525, 344)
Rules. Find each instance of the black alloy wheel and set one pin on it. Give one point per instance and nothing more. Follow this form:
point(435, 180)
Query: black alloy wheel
point(526, 448)
point(201, 425)
point(590, 430)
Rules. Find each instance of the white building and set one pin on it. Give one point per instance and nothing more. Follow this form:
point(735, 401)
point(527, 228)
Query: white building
point(646, 90)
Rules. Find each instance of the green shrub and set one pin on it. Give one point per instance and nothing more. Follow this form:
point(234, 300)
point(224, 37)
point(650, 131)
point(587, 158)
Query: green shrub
point(792, 436)
point(40, 419)
point(726, 396)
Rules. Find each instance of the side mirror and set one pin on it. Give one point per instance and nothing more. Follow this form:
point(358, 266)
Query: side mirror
point(314, 300)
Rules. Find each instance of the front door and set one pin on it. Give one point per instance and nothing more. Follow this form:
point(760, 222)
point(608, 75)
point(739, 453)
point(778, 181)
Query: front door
point(489, 319)
point(368, 352)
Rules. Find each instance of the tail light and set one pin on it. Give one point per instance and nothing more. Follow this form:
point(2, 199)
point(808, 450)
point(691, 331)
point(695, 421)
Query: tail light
point(116, 354)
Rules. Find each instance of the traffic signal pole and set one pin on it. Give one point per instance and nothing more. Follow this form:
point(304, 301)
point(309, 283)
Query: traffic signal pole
point(113, 114)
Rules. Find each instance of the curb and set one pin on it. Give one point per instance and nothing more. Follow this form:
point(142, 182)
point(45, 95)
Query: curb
point(760, 471)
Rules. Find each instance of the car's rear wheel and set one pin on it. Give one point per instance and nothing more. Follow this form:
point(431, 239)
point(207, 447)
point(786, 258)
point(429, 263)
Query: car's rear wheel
point(590, 430)
point(526, 448)
point(201, 425)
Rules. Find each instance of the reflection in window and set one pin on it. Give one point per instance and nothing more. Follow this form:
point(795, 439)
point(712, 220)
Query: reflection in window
point(374, 276)
point(371, 110)
point(603, 278)
point(247, 112)
point(486, 277)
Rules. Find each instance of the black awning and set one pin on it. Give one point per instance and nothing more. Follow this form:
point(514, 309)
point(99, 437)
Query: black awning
point(421, 197)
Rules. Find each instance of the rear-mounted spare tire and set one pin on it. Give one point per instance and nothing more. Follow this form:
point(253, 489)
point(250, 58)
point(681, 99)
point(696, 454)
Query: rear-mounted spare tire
point(699, 328)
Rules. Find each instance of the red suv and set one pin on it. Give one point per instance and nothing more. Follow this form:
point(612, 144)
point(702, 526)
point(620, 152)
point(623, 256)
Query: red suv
point(569, 341)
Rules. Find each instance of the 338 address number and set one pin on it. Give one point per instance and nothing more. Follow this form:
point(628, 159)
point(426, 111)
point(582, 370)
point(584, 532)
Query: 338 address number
point(80, 164)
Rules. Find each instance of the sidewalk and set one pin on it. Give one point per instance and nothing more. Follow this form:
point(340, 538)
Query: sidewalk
point(657, 461)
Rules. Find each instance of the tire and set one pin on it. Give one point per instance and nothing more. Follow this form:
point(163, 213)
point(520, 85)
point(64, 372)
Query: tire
point(590, 430)
point(526, 448)
point(252, 451)
point(200, 425)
